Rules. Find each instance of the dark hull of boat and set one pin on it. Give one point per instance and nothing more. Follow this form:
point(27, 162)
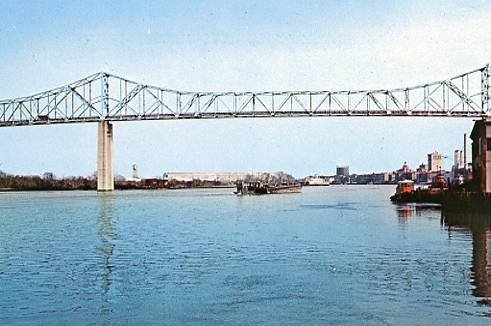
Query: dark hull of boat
point(268, 190)
point(418, 196)
point(285, 190)
point(450, 200)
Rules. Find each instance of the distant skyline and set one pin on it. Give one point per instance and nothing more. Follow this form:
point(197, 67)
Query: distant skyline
point(237, 45)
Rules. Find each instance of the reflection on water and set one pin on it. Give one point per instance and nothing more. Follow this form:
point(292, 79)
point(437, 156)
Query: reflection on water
point(409, 210)
point(479, 227)
point(334, 255)
point(107, 236)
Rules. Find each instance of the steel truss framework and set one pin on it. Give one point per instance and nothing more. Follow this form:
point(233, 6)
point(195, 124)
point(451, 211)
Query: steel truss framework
point(108, 97)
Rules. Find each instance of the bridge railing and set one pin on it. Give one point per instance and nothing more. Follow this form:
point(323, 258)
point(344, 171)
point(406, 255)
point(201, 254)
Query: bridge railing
point(104, 96)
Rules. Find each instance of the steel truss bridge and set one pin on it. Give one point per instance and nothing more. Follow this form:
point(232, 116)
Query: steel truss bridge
point(106, 97)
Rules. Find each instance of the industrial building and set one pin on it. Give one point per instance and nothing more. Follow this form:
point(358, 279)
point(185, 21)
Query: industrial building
point(342, 171)
point(222, 177)
point(435, 162)
point(458, 159)
point(481, 155)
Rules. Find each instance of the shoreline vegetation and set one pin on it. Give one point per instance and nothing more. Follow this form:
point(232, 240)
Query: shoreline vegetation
point(49, 182)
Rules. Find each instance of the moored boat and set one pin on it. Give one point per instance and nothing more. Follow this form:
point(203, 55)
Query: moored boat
point(407, 193)
point(261, 188)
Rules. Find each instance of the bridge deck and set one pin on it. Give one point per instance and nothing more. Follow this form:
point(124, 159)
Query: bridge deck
point(107, 97)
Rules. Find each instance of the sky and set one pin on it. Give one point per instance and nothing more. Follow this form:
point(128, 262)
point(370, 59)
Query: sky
point(239, 46)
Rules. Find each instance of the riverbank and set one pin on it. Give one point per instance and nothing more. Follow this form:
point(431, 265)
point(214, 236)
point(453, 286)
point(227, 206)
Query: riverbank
point(48, 182)
point(7, 190)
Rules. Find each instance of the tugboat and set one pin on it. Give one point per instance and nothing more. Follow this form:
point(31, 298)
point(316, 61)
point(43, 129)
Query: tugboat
point(262, 188)
point(406, 192)
point(405, 186)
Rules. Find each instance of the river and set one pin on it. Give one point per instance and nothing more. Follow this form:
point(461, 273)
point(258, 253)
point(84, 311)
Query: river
point(330, 255)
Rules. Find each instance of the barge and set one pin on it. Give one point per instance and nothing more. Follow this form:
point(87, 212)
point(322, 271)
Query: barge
point(261, 188)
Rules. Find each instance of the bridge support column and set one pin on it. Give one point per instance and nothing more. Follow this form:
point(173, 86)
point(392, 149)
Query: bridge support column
point(105, 172)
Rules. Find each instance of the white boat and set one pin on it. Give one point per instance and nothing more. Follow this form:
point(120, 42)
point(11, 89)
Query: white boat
point(317, 181)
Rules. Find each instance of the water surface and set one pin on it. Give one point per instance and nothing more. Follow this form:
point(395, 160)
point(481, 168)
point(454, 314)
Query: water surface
point(337, 254)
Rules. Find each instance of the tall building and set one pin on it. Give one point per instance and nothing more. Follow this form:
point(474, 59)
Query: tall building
point(458, 159)
point(342, 170)
point(435, 162)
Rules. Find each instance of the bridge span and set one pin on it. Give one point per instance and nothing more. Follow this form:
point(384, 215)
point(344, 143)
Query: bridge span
point(105, 98)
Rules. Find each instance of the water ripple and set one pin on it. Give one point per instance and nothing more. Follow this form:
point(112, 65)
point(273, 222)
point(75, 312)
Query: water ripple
point(326, 256)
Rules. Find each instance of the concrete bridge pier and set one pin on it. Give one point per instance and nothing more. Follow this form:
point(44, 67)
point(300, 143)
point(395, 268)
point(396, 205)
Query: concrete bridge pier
point(105, 171)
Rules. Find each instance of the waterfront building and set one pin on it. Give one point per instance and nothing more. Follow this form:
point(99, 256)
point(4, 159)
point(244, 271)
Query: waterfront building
point(481, 154)
point(360, 178)
point(422, 174)
point(405, 168)
point(372, 178)
point(222, 177)
point(404, 173)
point(342, 170)
point(435, 162)
point(342, 174)
point(381, 178)
point(392, 177)
point(422, 178)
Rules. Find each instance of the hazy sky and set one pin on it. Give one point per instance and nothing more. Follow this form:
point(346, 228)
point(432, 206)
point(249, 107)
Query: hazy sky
point(239, 45)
